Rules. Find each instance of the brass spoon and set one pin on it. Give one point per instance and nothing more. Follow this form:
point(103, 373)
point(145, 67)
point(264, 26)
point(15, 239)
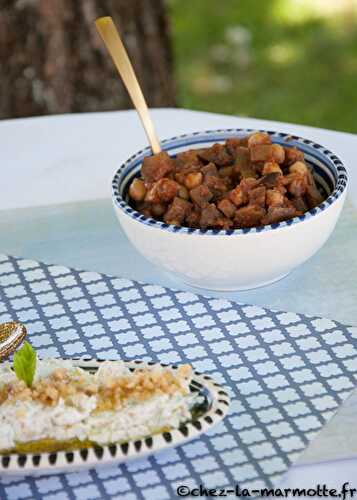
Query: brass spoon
point(11, 336)
point(111, 38)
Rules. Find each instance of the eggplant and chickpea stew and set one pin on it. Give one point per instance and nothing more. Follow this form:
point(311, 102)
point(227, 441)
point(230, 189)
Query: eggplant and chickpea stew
point(245, 182)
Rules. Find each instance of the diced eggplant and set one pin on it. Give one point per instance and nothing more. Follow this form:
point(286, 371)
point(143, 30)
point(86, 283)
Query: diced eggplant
point(157, 166)
point(178, 211)
point(227, 208)
point(201, 195)
point(249, 216)
point(262, 152)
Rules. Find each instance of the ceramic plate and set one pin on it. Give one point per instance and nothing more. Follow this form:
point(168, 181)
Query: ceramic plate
point(213, 411)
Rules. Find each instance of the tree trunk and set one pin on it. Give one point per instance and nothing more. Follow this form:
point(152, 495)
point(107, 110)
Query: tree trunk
point(53, 61)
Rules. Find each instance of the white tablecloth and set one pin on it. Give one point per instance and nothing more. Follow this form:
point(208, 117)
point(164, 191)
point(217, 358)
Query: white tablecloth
point(66, 159)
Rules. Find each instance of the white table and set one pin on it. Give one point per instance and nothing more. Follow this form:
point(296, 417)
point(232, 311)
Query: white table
point(55, 206)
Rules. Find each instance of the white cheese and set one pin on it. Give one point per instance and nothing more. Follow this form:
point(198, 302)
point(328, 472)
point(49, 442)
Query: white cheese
point(26, 420)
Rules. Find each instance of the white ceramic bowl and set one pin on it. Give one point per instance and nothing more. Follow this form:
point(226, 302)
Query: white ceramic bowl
point(236, 259)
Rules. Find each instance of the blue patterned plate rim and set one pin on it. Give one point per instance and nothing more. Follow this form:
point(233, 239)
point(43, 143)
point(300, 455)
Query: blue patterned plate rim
point(315, 151)
point(115, 453)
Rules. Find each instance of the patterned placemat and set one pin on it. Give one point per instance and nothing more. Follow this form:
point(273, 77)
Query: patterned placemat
point(287, 374)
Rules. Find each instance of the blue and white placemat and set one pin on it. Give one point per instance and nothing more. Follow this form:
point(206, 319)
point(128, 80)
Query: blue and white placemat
point(287, 374)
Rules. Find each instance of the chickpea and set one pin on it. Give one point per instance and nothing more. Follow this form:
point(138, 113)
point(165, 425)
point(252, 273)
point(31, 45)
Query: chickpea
point(270, 167)
point(298, 168)
point(137, 190)
point(193, 180)
point(258, 138)
point(278, 153)
point(183, 193)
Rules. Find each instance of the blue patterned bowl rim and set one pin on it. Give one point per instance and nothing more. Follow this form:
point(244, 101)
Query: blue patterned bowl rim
point(315, 152)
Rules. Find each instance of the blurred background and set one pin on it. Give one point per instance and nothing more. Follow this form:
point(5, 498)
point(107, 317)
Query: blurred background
point(287, 60)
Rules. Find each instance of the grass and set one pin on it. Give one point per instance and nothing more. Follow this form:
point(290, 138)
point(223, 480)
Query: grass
point(285, 60)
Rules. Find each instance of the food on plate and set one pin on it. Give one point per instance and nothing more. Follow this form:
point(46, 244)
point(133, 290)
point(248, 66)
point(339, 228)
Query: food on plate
point(245, 182)
point(54, 405)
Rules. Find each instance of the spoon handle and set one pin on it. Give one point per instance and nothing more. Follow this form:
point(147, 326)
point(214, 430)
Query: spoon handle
point(110, 36)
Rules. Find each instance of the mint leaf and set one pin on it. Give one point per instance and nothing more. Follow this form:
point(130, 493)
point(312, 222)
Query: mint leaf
point(24, 363)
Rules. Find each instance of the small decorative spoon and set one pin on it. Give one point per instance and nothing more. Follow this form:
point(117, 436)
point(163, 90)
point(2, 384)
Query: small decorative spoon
point(11, 336)
point(111, 38)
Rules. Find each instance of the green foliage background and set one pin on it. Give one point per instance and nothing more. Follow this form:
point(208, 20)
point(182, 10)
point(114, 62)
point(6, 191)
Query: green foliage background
point(288, 60)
